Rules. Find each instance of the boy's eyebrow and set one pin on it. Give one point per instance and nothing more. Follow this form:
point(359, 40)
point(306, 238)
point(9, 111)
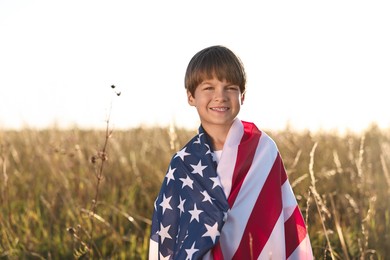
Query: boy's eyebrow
point(211, 83)
point(205, 82)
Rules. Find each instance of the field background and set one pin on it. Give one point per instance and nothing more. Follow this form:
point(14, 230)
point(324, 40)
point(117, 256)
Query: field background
point(66, 195)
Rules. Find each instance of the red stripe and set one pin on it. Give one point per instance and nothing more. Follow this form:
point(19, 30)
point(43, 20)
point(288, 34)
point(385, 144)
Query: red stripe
point(217, 252)
point(264, 216)
point(296, 230)
point(246, 152)
point(283, 174)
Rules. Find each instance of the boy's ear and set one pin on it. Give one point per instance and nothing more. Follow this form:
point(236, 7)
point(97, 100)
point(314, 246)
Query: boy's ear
point(190, 99)
point(242, 98)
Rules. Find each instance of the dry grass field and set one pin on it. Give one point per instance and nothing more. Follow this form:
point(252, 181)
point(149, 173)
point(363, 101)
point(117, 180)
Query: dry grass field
point(64, 194)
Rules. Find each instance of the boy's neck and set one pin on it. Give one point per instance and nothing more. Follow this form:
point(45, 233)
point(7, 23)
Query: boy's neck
point(217, 136)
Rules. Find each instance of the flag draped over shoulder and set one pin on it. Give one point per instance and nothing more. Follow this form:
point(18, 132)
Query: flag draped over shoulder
point(242, 208)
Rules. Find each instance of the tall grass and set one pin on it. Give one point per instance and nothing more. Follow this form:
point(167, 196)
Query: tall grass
point(48, 185)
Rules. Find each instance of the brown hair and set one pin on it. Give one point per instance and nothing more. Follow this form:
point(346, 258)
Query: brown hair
point(215, 61)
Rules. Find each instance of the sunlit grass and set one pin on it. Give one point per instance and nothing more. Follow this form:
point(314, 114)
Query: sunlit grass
point(48, 184)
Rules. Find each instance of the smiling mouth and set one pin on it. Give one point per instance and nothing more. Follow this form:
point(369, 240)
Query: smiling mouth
point(219, 109)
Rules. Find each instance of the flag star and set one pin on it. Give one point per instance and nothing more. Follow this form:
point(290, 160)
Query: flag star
point(206, 196)
point(198, 139)
point(187, 182)
point(162, 257)
point(177, 235)
point(212, 232)
point(163, 233)
point(170, 174)
point(195, 213)
point(181, 205)
point(216, 181)
point(186, 235)
point(209, 150)
point(165, 203)
point(198, 168)
point(155, 204)
point(182, 153)
point(190, 252)
point(225, 216)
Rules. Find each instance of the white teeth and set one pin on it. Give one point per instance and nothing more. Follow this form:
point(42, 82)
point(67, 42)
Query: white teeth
point(219, 108)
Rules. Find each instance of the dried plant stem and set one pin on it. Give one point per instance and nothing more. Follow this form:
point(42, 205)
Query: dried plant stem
point(99, 173)
point(6, 191)
point(173, 137)
point(307, 210)
point(359, 163)
point(296, 159)
point(317, 198)
point(339, 229)
point(385, 171)
point(102, 155)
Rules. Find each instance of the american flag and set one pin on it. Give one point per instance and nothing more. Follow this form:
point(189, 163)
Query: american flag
point(241, 208)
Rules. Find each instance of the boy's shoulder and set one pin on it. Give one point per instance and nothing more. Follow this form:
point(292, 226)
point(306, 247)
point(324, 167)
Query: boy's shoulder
point(255, 129)
point(194, 143)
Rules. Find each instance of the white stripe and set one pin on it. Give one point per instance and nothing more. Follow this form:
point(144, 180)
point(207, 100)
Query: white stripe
point(289, 201)
point(208, 256)
point(153, 250)
point(226, 165)
point(238, 216)
point(303, 251)
point(275, 248)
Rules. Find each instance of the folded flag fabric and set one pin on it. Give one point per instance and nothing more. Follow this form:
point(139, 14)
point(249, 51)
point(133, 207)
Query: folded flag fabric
point(241, 208)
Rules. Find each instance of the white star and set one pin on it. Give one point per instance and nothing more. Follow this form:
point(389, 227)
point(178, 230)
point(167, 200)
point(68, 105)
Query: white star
point(182, 153)
point(191, 251)
point(195, 213)
point(208, 147)
point(155, 204)
point(170, 174)
point(163, 233)
point(216, 181)
point(198, 168)
point(162, 257)
point(206, 196)
point(198, 140)
point(187, 182)
point(181, 205)
point(225, 216)
point(165, 203)
point(185, 237)
point(212, 232)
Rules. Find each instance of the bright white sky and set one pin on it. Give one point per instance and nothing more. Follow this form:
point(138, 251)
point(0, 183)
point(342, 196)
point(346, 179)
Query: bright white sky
point(313, 64)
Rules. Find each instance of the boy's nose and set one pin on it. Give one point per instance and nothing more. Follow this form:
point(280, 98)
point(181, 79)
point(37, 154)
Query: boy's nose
point(220, 95)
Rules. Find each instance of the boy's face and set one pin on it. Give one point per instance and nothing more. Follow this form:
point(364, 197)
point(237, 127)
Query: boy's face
point(217, 102)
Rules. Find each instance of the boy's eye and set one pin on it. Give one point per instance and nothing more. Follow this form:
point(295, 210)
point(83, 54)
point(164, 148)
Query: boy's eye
point(233, 88)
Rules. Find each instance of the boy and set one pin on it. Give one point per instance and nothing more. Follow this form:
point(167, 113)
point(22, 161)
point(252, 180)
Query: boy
point(226, 193)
